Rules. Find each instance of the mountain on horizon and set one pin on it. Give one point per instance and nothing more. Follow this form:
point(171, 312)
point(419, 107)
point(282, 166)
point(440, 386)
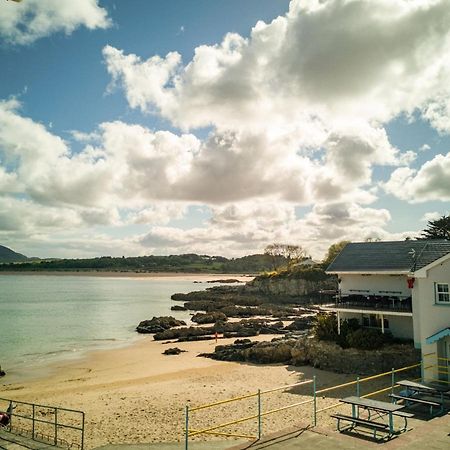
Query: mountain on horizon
point(8, 256)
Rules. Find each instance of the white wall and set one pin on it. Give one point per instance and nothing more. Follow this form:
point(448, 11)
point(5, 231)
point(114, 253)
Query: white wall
point(374, 285)
point(399, 326)
point(429, 317)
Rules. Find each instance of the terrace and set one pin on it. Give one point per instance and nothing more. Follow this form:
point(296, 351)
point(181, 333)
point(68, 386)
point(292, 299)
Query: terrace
point(374, 303)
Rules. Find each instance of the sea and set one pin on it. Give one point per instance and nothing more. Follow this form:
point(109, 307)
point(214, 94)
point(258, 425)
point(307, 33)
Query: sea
point(48, 318)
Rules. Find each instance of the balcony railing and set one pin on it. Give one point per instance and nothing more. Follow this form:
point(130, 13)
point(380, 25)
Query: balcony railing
point(372, 302)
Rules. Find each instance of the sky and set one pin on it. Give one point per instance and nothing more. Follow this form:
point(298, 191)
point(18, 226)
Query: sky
point(135, 127)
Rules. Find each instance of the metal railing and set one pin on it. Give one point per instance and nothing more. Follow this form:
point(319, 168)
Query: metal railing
point(56, 426)
point(316, 396)
point(257, 416)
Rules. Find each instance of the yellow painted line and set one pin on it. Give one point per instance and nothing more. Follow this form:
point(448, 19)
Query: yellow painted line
point(378, 392)
point(437, 380)
point(218, 433)
point(222, 402)
point(283, 408)
point(336, 387)
point(329, 407)
point(429, 354)
point(444, 359)
point(224, 425)
point(286, 387)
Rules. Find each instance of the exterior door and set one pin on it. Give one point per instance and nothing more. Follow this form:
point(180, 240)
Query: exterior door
point(443, 351)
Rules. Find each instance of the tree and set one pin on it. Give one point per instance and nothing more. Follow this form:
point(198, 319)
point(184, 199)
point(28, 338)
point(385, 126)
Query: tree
point(285, 253)
point(333, 251)
point(437, 229)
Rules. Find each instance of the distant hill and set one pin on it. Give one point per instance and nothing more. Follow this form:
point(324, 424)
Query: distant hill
point(173, 263)
point(9, 256)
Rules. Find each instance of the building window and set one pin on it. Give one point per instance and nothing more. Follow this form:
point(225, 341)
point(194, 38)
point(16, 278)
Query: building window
point(442, 293)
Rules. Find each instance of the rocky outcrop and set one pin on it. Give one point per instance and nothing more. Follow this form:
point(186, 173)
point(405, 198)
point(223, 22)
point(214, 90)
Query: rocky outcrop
point(321, 354)
point(243, 328)
point(159, 324)
point(289, 286)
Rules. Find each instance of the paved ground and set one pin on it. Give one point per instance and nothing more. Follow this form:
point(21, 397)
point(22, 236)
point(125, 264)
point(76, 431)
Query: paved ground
point(424, 433)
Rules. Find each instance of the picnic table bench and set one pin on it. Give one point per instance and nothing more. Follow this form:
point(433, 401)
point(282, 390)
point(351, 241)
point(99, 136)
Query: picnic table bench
point(411, 399)
point(373, 408)
point(415, 393)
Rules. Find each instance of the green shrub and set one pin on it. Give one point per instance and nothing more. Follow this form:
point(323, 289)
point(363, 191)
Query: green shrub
point(367, 339)
point(348, 326)
point(325, 327)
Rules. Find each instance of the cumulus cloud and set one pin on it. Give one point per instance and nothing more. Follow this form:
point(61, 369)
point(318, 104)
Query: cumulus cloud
point(336, 60)
point(430, 182)
point(30, 20)
point(248, 227)
point(296, 114)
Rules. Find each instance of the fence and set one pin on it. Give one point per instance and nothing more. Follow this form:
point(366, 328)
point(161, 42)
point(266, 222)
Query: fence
point(317, 396)
point(55, 426)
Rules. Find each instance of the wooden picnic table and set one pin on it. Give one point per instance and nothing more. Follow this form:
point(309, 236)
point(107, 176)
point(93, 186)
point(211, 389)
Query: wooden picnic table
point(416, 390)
point(378, 408)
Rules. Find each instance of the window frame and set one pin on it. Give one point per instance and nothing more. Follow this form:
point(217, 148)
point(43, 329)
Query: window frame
point(445, 292)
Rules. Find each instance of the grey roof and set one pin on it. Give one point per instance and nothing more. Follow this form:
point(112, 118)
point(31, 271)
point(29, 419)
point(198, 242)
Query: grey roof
point(401, 256)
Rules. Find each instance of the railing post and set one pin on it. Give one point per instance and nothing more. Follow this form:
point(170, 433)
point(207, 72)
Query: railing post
point(11, 410)
point(314, 402)
point(186, 435)
point(56, 426)
point(422, 371)
point(259, 415)
point(82, 431)
point(357, 387)
point(34, 415)
point(392, 380)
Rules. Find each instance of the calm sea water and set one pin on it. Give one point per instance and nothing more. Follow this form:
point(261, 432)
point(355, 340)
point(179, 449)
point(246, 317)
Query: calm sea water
point(46, 318)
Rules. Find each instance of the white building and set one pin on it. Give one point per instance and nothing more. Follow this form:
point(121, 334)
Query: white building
point(403, 287)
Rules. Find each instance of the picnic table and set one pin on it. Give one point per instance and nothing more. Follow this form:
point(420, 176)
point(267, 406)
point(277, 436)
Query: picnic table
point(415, 393)
point(374, 409)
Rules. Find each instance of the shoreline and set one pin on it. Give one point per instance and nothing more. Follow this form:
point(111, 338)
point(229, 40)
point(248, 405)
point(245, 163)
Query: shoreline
point(136, 394)
point(20, 370)
point(187, 276)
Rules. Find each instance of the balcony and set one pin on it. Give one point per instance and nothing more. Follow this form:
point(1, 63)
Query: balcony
point(377, 304)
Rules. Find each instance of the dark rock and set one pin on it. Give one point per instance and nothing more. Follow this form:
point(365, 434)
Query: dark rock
point(227, 280)
point(178, 333)
point(178, 308)
point(211, 317)
point(173, 351)
point(158, 324)
point(300, 324)
point(2, 373)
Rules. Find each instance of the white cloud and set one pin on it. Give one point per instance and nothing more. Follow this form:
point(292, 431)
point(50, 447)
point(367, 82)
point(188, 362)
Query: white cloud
point(241, 228)
point(158, 213)
point(430, 182)
point(25, 22)
point(431, 216)
point(347, 59)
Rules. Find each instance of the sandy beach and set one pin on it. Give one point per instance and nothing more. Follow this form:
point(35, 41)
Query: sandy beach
point(138, 395)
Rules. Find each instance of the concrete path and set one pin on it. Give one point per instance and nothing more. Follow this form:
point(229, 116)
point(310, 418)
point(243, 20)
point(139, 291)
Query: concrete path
point(429, 434)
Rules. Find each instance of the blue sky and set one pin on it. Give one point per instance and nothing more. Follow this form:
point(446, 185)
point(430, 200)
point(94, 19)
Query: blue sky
point(135, 127)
